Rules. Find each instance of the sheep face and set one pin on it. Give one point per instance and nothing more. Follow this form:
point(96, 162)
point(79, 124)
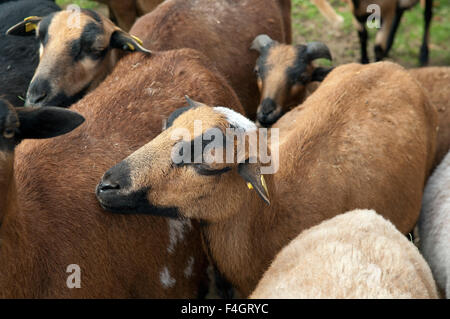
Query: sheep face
point(166, 178)
point(77, 51)
point(283, 72)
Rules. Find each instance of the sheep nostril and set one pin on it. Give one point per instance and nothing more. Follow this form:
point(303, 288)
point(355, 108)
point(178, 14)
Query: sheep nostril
point(36, 99)
point(108, 186)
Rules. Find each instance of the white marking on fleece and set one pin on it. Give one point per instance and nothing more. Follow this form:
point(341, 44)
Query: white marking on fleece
point(236, 119)
point(434, 224)
point(166, 279)
point(189, 268)
point(177, 230)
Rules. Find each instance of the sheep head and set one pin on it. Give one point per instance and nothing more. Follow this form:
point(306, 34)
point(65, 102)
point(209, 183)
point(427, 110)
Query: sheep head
point(283, 72)
point(196, 168)
point(77, 50)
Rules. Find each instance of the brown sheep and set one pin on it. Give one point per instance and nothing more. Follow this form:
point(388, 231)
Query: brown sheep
point(365, 139)
point(286, 75)
point(77, 52)
point(223, 31)
point(125, 12)
point(59, 221)
point(358, 254)
point(436, 83)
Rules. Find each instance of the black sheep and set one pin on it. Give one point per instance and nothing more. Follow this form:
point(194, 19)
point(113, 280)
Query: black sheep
point(19, 57)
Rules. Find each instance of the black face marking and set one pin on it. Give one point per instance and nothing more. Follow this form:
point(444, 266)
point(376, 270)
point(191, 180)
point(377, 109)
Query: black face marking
point(84, 46)
point(296, 74)
point(261, 63)
point(63, 100)
point(199, 164)
point(43, 28)
point(94, 15)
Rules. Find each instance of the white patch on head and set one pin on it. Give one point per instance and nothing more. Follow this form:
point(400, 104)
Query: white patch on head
point(41, 51)
point(166, 279)
point(177, 231)
point(189, 268)
point(236, 119)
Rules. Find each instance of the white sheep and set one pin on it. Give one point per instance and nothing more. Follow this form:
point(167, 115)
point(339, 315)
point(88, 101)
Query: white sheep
point(434, 224)
point(358, 254)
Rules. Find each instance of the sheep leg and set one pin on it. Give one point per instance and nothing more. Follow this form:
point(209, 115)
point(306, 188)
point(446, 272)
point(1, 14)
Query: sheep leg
point(398, 16)
point(362, 33)
point(428, 14)
point(381, 39)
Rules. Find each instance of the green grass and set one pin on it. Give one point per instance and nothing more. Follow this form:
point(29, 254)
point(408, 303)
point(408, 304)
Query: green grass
point(310, 25)
point(87, 4)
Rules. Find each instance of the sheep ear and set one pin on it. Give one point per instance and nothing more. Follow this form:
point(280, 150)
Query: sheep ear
point(25, 28)
point(252, 175)
point(126, 42)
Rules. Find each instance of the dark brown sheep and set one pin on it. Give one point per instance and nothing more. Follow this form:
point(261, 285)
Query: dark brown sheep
point(59, 221)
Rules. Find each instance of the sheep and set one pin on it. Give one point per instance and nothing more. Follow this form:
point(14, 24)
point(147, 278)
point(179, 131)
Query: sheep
point(365, 138)
point(77, 51)
point(125, 12)
point(358, 254)
point(211, 27)
point(285, 74)
point(436, 83)
point(19, 58)
point(17, 124)
point(434, 225)
point(60, 222)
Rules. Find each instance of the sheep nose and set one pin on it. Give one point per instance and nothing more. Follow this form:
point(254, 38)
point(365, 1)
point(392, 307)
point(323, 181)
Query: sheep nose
point(105, 186)
point(37, 99)
point(268, 106)
point(37, 92)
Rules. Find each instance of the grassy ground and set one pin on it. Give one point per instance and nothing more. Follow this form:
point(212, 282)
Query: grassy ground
point(310, 25)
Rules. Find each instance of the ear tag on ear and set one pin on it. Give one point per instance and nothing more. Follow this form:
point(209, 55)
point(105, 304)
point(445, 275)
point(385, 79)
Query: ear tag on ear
point(31, 18)
point(30, 27)
point(131, 46)
point(137, 40)
point(249, 185)
point(263, 182)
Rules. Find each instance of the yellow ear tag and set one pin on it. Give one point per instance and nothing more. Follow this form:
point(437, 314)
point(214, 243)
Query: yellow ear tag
point(131, 46)
point(137, 40)
point(263, 182)
point(249, 185)
point(30, 27)
point(31, 18)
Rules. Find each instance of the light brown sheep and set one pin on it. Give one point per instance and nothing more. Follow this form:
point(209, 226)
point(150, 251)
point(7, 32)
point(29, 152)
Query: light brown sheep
point(436, 84)
point(358, 254)
point(365, 138)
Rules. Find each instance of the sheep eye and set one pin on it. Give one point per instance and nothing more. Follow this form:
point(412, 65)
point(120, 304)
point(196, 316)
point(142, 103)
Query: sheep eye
point(8, 133)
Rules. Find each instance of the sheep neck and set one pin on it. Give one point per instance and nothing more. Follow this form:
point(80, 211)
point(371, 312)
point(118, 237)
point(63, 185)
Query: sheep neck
point(235, 244)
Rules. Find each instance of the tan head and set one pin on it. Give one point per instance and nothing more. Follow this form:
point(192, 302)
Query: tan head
point(185, 170)
point(283, 72)
point(77, 51)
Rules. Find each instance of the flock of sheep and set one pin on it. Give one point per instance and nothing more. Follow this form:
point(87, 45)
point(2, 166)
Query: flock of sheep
point(87, 175)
